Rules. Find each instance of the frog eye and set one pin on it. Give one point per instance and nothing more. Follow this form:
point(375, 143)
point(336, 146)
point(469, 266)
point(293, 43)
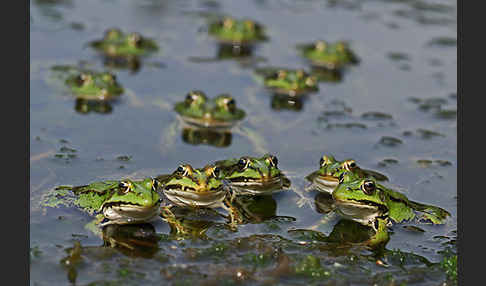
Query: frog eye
point(321, 46)
point(368, 187)
point(273, 160)
point(195, 96)
point(242, 163)
point(350, 165)
point(134, 39)
point(112, 33)
point(231, 105)
point(216, 172)
point(155, 184)
point(181, 169)
point(282, 74)
point(124, 187)
point(324, 161)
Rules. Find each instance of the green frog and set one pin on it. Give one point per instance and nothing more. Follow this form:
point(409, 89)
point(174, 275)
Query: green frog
point(124, 49)
point(253, 175)
point(202, 114)
point(328, 55)
point(111, 202)
point(89, 84)
point(364, 200)
point(326, 178)
point(291, 82)
point(236, 32)
point(196, 188)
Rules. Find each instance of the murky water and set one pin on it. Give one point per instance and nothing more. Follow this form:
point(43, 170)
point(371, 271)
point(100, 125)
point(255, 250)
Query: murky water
point(407, 71)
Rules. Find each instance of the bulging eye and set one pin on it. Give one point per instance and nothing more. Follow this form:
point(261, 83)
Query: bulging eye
point(324, 160)
point(231, 104)
point(216, 172)
point(123, 187)
point(273, 160)
point(242, 163)
point(195, 96)
point(155, 184)
point(180, 169)
point(350, 165)
point(368, 187)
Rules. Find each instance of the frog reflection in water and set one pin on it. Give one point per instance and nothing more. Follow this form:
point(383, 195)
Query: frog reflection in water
point(209, 121)
point(122, 50)
point(285, 102)
point(111, 202)
point(291, 82)
point(84, 106)
point(347, 231)
point(196, 188)
point(132, 240)
point(89, 85)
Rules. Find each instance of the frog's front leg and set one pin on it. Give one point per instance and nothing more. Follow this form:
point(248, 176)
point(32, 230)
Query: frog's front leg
point(172, 220)
point(234, 215)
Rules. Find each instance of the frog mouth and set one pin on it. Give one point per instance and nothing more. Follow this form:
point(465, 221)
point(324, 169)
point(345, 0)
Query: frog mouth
point(327, 183)
point(262, 181)
point(360, 210)
point(127, 213)
point(251, 186)
point(209, 122)
point(192, 198)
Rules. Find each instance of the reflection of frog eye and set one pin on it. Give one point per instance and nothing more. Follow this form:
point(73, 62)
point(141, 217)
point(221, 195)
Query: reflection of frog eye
point(368, 187)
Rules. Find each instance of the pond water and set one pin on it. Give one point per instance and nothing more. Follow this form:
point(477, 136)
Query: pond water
point(406, 79)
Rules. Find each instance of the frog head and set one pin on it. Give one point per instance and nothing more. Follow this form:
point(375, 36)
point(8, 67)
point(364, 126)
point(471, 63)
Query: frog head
point(328, 55)
point(132, 202)
point(330, 170)
point(360, 199)
point(254, 174)
point(218, 112)
point(118, 44)
point(202, 187)
point(234, 31)
point(90, 85)
point(291, 82)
